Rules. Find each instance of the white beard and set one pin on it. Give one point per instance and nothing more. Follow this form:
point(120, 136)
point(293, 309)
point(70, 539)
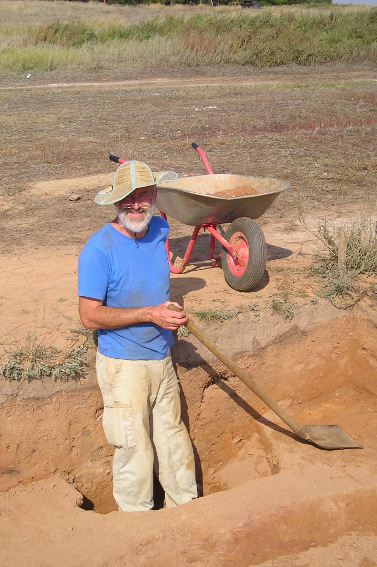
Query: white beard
point(136, 226)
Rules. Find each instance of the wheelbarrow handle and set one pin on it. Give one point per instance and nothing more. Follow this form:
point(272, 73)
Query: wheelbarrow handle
point(117, 159)
point(203, 158)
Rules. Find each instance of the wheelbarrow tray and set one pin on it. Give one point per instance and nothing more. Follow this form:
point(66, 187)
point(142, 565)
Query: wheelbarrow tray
point(193, 200)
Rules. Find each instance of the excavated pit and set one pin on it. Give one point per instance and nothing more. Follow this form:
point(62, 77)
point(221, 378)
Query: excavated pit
point(323, 376)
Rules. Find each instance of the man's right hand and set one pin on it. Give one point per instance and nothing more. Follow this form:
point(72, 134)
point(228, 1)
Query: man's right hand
point(168, 318)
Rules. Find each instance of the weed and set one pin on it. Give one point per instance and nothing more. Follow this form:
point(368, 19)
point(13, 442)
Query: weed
point(281, 306)
point(340, 274)
point(209, 315)
point(289, 311)
point(254, 307)
point(34, 360)
point(182, 331)
point(341, 284)
point(301, 293)
point(361, 251)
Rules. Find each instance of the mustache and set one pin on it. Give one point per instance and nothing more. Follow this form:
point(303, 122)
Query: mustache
point(131, 208)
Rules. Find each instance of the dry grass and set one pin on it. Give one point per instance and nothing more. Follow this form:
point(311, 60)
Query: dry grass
point(339, 268)
point(33, 12)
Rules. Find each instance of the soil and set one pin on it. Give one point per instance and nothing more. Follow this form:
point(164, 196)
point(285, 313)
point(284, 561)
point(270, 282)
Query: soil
point(266, 496)
point(241, 191)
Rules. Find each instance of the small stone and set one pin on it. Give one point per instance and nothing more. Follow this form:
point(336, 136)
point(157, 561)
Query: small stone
point(74, 197)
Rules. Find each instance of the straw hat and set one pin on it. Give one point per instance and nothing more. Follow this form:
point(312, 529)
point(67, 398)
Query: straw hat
point(129, 176)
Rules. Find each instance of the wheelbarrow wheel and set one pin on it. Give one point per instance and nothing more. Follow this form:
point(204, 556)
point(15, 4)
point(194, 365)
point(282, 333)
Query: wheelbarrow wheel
point(243, 271)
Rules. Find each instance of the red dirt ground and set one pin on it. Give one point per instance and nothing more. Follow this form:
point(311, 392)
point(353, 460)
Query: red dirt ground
point(268, 498)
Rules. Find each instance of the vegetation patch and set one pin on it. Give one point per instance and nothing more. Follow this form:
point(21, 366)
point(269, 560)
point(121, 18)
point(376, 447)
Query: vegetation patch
point(34, 360)
point(280, 306)
point(73, 34)
point(344, 254)
point(264, 39)
point(209, 315)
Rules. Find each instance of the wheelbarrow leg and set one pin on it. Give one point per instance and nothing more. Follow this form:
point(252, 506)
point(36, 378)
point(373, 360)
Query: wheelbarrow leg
point(212, 241)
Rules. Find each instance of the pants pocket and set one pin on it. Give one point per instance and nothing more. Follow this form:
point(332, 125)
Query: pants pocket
point(119, 425)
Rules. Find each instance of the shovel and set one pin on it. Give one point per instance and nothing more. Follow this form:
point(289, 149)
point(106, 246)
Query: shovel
point(323, 436)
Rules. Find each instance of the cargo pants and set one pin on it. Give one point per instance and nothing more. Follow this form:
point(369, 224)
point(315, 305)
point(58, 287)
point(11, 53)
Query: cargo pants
point(142, 420)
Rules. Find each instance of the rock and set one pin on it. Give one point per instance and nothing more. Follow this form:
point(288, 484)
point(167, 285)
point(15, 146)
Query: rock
point(74, 197)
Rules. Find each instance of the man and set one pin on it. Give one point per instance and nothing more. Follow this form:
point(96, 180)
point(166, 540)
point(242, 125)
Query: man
point(123, 288)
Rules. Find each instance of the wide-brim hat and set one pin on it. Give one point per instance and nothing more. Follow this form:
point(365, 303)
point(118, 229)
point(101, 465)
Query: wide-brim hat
point(129, 176)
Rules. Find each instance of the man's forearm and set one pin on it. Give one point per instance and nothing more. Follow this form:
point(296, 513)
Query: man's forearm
point(104, 317)
point(95, 315)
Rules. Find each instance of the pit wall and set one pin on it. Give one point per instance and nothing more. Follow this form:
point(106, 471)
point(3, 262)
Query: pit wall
point(62, 433)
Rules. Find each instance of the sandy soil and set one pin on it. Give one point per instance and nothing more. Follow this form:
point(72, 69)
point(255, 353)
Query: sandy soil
point(268, 498)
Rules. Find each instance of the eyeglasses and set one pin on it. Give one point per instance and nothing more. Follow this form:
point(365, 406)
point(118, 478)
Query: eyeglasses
point(143, 197)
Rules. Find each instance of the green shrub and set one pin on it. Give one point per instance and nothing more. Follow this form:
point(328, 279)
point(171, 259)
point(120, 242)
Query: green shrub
point(73, 34)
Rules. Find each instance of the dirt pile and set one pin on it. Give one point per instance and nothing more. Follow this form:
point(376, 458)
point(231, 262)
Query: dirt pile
point(237, 192)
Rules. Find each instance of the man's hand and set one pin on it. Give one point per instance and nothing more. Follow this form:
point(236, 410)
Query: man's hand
point(167, 318)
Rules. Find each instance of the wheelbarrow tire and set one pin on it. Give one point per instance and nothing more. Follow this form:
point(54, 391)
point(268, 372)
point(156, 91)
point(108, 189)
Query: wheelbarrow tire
point(245, 271)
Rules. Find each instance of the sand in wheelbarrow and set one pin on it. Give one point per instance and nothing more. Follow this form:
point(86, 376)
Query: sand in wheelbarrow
point(241, 191)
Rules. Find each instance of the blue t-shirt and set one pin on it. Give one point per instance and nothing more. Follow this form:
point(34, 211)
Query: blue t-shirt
point(123, 272)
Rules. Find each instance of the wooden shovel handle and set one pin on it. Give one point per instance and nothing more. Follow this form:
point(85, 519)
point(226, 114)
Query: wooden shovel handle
point(244, 377)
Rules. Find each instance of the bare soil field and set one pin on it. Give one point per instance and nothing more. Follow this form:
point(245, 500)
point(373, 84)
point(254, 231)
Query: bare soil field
point(266, 497)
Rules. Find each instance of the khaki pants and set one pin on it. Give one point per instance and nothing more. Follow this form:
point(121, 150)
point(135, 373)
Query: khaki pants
point(142, 419)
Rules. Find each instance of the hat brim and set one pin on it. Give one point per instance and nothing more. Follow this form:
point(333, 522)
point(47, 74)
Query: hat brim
point(106, 196)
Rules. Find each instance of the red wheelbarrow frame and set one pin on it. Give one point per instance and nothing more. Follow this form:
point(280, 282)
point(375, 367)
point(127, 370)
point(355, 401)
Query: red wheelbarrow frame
point(212, 229)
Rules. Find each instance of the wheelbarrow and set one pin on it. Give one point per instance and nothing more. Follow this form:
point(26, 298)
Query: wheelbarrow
point(206, 201)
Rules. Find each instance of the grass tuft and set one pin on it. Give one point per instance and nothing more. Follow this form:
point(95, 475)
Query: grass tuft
point(209, 315)
point(280, 306)
point(72, 34)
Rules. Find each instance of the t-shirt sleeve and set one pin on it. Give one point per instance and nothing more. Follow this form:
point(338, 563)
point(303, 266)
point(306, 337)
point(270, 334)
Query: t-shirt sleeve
point(93, 273)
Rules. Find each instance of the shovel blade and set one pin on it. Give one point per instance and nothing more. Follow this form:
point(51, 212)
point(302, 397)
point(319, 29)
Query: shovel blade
point(329, 437)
